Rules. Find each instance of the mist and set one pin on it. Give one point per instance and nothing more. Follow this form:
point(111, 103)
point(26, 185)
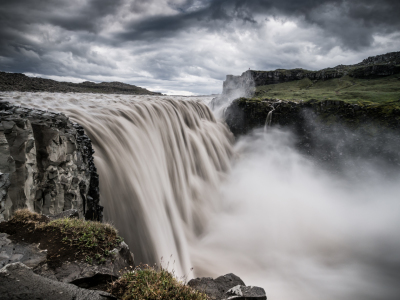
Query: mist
point(301, 230)
point(316, 221)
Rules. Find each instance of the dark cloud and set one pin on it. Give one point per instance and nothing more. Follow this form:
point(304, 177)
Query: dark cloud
point(175, 40)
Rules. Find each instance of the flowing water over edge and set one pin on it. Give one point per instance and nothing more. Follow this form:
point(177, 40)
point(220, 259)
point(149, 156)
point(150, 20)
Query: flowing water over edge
point(270, 215)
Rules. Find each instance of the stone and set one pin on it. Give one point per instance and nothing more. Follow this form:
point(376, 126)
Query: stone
point(11, 252)
point(216, 288)
point(17, 281)
point(241, 292)
point(70, 214)
point(46, 164)
point(82, 272)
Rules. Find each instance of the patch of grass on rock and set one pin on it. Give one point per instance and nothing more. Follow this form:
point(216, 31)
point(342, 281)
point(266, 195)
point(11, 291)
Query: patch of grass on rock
point(65, 239)
point(152, 283)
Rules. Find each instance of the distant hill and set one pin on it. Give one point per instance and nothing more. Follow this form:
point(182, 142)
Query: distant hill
point(23, 83)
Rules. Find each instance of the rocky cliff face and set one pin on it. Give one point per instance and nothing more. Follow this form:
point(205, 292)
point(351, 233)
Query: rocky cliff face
point(46, 164)
point(326, 129)
point(372, 67)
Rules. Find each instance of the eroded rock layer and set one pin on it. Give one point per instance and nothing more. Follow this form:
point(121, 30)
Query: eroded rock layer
point(46, 164)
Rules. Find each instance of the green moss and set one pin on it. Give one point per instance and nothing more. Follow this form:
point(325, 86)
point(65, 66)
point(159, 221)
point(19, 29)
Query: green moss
point(152, 284)
point(91, 240)
point(346, 88)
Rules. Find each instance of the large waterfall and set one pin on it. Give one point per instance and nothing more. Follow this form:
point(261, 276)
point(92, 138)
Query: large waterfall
point(174, 183)
point(160, 162)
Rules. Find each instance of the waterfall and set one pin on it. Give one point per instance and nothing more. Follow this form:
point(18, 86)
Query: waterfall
point(160, 163)
point(268, 121)
point(272, 215)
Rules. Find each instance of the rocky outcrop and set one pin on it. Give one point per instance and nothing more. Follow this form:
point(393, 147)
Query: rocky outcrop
point(326, 129)
point(23, 83)
point(46, 164)
point(17, 281)
point(228, 286)
point(90, 274)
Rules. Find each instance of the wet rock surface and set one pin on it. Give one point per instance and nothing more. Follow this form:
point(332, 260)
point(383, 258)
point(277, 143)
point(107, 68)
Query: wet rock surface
point(84, 273)
point(328, 130)
point(46, 164)
point(26, 253)
point(228, 286)
point(17, 281)
point(41, 256)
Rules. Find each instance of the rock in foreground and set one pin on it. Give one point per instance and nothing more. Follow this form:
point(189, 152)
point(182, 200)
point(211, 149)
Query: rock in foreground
point(228, 286)
point(17, 281)
point(46, 164)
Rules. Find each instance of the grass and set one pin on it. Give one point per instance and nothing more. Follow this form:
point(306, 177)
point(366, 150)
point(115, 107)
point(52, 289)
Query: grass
point(346, 88)
point(91, 240)
point(152, 283)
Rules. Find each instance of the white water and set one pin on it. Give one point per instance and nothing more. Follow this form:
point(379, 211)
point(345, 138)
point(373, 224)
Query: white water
point(275, 219)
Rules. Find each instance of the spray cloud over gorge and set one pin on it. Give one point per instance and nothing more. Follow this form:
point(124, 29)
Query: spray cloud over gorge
point(173, 182)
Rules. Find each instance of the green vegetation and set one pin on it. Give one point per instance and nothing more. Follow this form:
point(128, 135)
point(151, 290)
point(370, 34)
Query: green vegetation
point(346, 88)
point(152, 284)
point(92, 241)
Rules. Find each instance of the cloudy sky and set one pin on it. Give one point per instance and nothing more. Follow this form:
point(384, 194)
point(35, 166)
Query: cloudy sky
point(188, 46)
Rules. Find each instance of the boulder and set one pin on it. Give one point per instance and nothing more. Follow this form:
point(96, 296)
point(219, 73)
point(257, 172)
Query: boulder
point(17, 281)
point(228, 286)
point(78, 272)
point(241, 292)
point(11, 252)
point(84, 273)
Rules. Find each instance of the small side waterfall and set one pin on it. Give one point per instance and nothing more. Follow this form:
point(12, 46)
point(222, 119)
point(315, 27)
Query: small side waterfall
point(268, 120)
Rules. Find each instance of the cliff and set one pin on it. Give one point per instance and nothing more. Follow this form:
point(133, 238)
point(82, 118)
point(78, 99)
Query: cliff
point(23, 83)
point(327, 130)
point(250, 81)
point(46, 164)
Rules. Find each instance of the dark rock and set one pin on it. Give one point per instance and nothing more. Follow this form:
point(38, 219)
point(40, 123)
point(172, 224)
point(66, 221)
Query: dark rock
point(11, 252)
point(46, 164)
point(17, 281)
point(319, 125)
point(120, 260)
point(70, 214)
point(241, 292)
point(216, 288)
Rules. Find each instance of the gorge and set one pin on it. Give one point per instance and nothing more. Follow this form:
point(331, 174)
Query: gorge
point(173, 182)
point(299, 197)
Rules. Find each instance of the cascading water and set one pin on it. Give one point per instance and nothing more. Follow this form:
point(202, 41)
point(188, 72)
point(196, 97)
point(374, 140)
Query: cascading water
point(160, 163)
point(276, 219)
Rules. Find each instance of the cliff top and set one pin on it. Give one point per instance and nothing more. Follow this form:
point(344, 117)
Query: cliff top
point(392, 58)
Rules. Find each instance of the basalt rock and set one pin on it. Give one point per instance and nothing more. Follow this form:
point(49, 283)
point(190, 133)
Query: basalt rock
point(46, 164)
point(228, 286)
point(81, 273)
point(17, 281)
point(327, 130)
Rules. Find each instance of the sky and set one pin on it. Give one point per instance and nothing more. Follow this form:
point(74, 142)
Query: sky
point(188, 47)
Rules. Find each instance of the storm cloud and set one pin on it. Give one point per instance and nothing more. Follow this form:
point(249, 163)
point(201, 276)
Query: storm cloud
point(188, 46)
